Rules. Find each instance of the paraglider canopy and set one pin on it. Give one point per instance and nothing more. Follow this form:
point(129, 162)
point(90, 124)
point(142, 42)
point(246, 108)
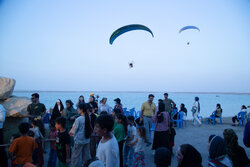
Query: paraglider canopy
point(189, 27)
point(127, 28)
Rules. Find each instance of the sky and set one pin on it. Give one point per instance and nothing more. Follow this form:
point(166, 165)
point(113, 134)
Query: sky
point(63, 45)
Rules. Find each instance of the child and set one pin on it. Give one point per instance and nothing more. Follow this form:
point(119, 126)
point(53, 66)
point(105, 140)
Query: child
point(46, 119)
point(23, 146)
point(129, 150)
point(139, 143)
point(107, 150)
point(172, 135)
point(115, 112)
point(13, 137)
point(52, 140)
point(62, 143)
point(81, 131)
point(120, 131)
point(94, 139)
point(39, 131)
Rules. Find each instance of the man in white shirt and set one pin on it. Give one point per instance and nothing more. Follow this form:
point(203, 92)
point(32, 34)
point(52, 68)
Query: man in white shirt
point(104, 106)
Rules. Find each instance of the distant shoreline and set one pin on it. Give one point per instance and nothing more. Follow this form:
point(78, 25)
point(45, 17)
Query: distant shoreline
point(216, 93)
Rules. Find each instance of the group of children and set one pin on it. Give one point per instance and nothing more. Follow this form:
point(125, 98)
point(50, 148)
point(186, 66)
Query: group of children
point(106, 140)
point(122, 143)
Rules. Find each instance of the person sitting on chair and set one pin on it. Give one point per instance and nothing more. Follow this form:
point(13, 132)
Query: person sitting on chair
point(243, 109)
point(182, 108)
point(218, 111)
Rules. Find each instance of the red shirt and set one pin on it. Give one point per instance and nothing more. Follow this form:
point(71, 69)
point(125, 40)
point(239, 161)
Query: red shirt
point(53, 135)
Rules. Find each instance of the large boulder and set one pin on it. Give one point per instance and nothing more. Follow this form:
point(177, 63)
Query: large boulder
point(16, 106)
point(10, 127)
point(6, 87)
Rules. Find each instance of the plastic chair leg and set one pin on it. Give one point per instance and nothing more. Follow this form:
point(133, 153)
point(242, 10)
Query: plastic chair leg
point(220, 120)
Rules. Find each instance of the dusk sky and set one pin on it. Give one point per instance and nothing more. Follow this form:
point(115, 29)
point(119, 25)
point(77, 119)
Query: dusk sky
point(64, 45)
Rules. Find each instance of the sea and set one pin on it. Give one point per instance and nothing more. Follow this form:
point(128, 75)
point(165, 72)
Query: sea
point(230, 102)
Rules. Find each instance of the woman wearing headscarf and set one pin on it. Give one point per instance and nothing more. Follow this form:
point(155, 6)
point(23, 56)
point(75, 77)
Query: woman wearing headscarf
point(234, 151)
point(118, 105)
point(57, 110)
point(217, 152)
point(69, 113)
point(161, 133)
point(188, 156)
point(80, 100)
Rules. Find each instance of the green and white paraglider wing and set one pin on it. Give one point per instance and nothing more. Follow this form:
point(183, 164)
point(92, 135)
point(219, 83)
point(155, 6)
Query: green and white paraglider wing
point(128, 28)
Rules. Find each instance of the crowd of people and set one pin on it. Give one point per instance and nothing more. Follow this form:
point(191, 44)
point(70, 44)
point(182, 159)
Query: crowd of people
point(95, 134)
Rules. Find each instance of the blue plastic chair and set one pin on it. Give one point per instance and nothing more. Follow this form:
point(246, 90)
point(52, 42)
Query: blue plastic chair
point(200, 118)
point(173, 113)
point(213, 118)
point(241, 118)
point(132, 112)
point(179, 120)
point(137, 114)
point(124, 110)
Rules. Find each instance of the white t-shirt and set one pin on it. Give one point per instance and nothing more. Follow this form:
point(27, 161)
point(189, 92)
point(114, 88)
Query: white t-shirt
point(108, 153)
point(131, 132)
point(140, 145)
point(196, 105)
point(104, 107)
point(37, 133)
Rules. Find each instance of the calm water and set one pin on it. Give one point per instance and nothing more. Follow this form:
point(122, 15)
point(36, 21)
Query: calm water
point(230, 103)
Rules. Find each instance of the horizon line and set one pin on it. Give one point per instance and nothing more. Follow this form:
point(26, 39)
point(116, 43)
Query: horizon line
point(108, 91)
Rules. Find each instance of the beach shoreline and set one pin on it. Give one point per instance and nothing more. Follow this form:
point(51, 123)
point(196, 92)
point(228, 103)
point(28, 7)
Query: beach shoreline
point(109, 91)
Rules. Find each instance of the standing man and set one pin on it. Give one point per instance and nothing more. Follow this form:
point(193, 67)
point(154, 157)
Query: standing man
point(169, 103)
point(36, 109)
point(3, 155)
point(148, 109)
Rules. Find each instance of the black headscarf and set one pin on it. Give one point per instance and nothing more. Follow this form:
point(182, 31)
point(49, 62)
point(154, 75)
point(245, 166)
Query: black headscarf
point(56, 113)
point(191, 157)
point(160, 117)
point(70, 103)
point(217, 148)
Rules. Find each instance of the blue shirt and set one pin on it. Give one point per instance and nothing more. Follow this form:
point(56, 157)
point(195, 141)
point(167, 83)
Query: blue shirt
point(79, 131)
point(2, 116)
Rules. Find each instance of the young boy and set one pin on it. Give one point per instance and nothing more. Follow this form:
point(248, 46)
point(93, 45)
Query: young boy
point(62, 143)
point(107, 150)
point(52, 140)
point(22, 147)
point(129, 150)
point(172, 136)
